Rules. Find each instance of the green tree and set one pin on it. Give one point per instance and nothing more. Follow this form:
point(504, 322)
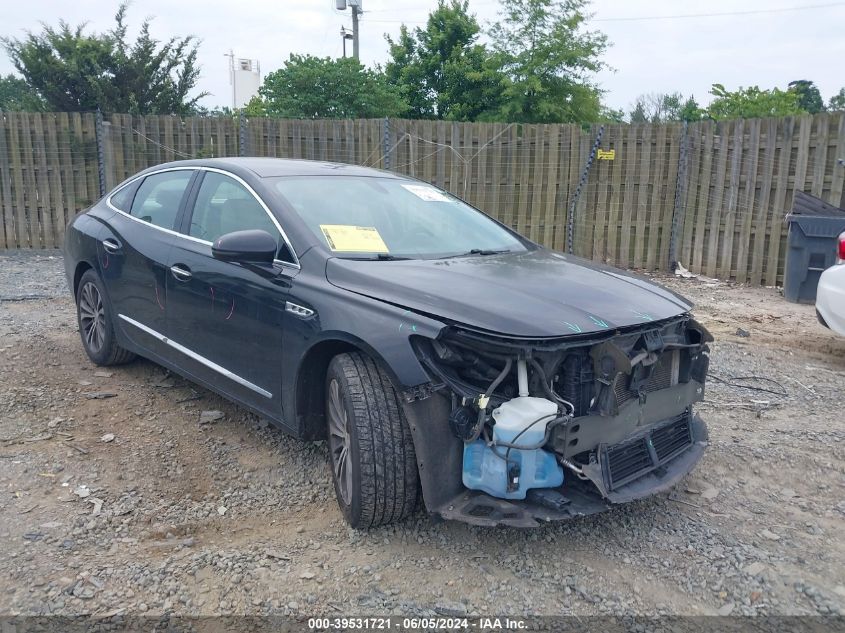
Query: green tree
point(76, 71)
point(17, 95)
point(691, 111)
point(442, 70)
point(664, 107)
point(809, 97)
point(323, 88)
point(837, 101)
point(549, 58)
point(751, 102)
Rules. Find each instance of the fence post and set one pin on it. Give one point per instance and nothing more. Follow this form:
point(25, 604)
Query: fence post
point(386, 143)
point(570, 223)
point(101, 152)
point(241, 134)
point(678, 207)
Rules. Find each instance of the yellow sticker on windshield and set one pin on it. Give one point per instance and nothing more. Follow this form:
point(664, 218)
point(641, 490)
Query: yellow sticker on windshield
point(356, 239)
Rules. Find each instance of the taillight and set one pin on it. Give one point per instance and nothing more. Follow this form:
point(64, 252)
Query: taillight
point(841, 251)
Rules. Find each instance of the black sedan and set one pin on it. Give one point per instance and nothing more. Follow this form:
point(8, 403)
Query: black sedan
point(431, 346)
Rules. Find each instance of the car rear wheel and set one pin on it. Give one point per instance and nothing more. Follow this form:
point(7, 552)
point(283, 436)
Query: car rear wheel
point(372, 455)
point(95, 323)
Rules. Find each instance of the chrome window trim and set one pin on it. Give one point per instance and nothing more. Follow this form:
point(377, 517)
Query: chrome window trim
point(200, 359)
point(295, 264)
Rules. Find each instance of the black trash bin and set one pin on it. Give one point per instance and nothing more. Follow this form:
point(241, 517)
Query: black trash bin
point(814, 226)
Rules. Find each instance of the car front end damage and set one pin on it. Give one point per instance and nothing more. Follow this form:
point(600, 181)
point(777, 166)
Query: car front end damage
point(515, 431)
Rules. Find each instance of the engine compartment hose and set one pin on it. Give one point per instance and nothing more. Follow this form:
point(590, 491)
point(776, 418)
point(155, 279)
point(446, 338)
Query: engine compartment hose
point(482, 411)
point(499, 378)
point(522, 377)
point(544, 381)
point(530, 447)
point(575, 469)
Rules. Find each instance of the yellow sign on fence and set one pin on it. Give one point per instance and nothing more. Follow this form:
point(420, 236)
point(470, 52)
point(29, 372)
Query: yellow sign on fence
point(606, 154)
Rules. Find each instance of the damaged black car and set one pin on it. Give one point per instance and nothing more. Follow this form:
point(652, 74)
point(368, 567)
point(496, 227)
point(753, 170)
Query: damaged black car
point(445, 359)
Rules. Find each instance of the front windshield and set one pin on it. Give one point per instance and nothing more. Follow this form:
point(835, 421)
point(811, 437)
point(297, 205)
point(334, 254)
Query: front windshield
point(366, 217)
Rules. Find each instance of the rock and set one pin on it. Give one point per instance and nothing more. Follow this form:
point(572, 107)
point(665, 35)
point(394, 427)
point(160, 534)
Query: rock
point(98, 505)
point(207, 417)
point(307, 575)
point(82, 491)
point(451, 609)
point(742, 333)
point(100, 395)
point(221, 510)
point(727, 608)
point(108, 437)
point(839, 590)
point(770, 535)
point(100, 373)
point(709, 493)
point(754, 568)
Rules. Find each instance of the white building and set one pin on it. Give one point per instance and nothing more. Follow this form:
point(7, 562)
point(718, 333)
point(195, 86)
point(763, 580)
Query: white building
point(245, 79)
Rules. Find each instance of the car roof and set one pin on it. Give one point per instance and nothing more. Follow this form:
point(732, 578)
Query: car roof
point(271, 167)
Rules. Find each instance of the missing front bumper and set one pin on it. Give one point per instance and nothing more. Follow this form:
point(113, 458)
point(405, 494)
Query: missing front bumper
point(584, 497)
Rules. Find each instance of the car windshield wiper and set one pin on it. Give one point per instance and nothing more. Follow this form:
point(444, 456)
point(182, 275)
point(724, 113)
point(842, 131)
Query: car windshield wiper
point(379, 257)
point(478, 251)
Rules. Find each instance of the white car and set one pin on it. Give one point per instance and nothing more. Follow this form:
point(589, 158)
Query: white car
point(830, 297)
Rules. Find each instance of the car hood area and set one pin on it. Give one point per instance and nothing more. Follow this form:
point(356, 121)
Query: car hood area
point(536, 294)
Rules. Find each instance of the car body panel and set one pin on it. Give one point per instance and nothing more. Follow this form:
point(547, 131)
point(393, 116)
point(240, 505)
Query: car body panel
point(535, 294)
point(232, 317)
point(830, 298)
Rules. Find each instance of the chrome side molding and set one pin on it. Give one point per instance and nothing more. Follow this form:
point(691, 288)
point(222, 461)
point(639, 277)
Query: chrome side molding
point(200, 359)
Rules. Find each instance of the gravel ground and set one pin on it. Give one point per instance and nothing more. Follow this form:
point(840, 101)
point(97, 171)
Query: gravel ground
point(129, 505)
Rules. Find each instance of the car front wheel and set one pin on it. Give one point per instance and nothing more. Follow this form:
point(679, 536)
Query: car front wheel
point(95, 323)
point(372, 454)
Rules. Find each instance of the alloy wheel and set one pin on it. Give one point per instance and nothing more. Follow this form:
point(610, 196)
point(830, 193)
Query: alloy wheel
point(339, 442)
point(92, 317)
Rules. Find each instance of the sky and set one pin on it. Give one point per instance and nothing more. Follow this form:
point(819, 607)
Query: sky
point(650, 53)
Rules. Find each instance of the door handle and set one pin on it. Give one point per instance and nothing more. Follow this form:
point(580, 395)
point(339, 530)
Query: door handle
point(111, 246)
point(181, 272)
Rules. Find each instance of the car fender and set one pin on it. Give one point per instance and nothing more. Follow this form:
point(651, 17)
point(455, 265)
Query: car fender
point(346, 323)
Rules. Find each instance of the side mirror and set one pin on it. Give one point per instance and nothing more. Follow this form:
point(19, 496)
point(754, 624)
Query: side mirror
point(246, 247)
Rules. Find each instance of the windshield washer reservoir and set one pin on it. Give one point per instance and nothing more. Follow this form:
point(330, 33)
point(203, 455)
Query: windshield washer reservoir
point(521, 421)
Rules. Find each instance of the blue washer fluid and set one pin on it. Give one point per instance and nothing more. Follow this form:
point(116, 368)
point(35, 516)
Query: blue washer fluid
point(483, 470)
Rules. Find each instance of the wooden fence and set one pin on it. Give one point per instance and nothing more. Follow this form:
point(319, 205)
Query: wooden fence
point(712, 195)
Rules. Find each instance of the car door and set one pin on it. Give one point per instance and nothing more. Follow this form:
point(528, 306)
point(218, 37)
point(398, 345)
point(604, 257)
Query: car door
point(133, 253)
point(225, 317)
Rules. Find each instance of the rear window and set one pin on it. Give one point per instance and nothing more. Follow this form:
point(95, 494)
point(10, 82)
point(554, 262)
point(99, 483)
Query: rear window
point(122, 199)
point(160, 196)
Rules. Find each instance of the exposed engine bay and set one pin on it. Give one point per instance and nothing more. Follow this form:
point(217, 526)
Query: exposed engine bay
point(545, 421)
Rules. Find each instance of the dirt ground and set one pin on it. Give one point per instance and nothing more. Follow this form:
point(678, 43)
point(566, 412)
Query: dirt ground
point(127, 504)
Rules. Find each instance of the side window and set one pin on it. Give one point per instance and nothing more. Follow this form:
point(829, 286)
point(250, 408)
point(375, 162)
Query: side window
point(123, 199)
point(224, 205)
point(159, 196)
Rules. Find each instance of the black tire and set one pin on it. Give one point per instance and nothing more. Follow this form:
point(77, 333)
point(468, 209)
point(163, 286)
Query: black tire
point(382, 477)
point(93, 311)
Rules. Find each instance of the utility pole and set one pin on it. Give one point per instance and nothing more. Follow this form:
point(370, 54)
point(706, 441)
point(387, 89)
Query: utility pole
point(357, 10)
point(231, 56)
